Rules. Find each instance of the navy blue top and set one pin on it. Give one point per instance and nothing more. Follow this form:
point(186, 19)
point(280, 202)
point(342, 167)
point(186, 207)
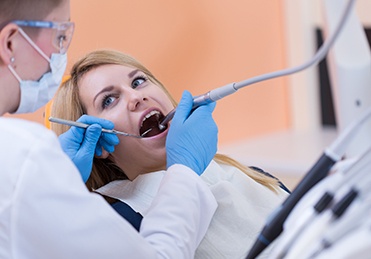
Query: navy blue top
point(128, 213)
point(282, 186)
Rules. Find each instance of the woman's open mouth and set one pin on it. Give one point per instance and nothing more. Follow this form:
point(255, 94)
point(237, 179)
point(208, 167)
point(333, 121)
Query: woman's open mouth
point(149, 126)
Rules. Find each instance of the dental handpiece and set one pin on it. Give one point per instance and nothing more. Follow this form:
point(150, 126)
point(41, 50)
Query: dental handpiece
point(84, 126)
point(209, 97)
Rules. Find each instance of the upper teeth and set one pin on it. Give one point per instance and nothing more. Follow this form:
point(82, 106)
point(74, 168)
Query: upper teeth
point(150, 114)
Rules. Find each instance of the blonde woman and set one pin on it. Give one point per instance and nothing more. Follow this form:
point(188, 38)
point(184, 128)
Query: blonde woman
point(114, 86)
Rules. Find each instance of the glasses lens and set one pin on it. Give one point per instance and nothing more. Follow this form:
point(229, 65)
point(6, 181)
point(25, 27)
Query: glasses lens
point(63, 36)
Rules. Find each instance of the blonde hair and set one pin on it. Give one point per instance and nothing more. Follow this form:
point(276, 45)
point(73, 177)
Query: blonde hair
point(67, 105)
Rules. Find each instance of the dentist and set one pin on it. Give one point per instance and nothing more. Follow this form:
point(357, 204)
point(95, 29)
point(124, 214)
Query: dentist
point(45, 209)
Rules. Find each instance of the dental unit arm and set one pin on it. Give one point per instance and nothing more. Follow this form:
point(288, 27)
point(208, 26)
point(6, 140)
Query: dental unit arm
point(223, 91)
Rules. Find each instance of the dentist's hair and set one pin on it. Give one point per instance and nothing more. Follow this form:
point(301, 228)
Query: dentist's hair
point(67, 105)
point(26, 10)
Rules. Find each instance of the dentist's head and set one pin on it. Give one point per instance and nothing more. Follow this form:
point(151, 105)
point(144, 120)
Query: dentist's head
point(34, 38)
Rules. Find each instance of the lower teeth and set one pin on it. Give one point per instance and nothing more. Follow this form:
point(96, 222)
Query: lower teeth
point(146, 132)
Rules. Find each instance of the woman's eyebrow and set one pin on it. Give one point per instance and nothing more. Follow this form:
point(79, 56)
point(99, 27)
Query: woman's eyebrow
point(106, 89)
point(132, 73)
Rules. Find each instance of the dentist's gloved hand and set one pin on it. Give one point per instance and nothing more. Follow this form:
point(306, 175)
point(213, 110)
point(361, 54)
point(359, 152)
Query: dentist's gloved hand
point(192, 138)
point(81, 144)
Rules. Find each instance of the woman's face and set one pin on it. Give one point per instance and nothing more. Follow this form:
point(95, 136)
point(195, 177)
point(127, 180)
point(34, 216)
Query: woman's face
point(125, 96)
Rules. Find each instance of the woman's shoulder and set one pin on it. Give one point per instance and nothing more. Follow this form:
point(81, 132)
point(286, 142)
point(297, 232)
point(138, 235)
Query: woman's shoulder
point(217, 172)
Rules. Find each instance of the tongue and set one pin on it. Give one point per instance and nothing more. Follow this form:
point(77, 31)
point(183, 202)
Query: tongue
point(153, 132)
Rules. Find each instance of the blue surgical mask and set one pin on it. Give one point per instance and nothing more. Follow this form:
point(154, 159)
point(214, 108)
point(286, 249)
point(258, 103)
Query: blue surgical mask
point(35, 94)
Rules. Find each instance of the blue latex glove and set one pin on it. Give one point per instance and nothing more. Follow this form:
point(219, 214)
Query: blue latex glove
point(81, 144)
point(193, 136)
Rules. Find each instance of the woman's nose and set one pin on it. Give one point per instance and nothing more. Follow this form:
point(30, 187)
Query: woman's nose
point(136, 98)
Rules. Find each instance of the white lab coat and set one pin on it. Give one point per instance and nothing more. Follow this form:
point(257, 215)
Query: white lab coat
point(243, 207)
point(47, 212)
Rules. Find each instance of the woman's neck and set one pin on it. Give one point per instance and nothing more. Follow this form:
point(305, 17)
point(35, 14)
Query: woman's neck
point(134, 174)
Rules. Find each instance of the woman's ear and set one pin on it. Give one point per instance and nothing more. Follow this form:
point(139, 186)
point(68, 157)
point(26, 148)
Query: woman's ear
point(7, 37)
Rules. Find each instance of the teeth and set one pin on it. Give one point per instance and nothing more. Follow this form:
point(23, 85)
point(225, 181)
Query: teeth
point(145, 133)
point(149, 115)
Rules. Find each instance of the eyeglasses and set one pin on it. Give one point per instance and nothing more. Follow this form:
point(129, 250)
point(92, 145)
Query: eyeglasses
point(62, 35)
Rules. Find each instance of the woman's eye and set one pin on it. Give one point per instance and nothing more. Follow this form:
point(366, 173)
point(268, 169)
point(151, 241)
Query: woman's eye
point(138, 81)
point(107, 101)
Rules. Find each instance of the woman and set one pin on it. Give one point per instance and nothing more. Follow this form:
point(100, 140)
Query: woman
point(114, 86)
